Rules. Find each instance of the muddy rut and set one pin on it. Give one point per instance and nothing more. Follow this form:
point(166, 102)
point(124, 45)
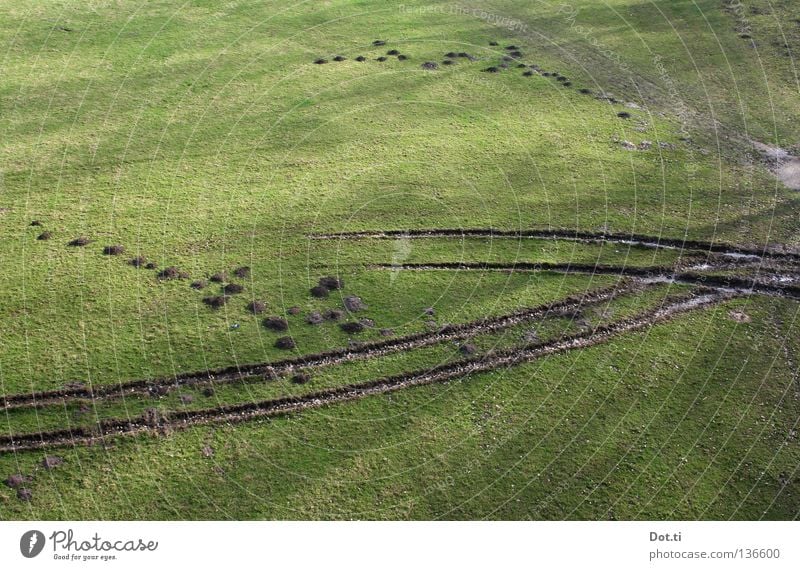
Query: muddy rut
point(165, 424)
point(778, 285)
point(271, 370)
point(637, 240)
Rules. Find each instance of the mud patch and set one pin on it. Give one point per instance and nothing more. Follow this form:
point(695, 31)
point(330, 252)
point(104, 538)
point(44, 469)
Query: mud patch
point(320, 292)
point(171, 273)
point(331, 282)
point(216, 301)
point(114, 250)
point(285, 343)
point(354, 304)
point(80, 242)
point(257, 307)
point(232, 289)
point(789, 174)
point(739, 316)
point(314, 318)
point(353, 327)
point(277, 324)
point(242, 272)
point(51, 461)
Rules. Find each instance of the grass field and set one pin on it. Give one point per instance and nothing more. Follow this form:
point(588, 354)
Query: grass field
point(202, 136)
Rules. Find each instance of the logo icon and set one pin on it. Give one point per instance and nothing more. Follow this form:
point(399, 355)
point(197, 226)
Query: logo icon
point(31, 543)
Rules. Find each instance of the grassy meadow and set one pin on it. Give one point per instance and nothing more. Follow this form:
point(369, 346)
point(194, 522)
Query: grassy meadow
point(201, 135)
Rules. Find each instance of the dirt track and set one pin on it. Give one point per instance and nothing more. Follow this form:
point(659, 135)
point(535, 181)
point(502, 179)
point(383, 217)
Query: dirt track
point(771, 286)
point(368, 350)
point(637, 240)
point(282, 406)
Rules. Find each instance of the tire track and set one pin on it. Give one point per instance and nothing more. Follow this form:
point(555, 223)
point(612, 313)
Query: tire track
point(163, 425)
point(777, 284)
point(271, 370)
point(636, 240)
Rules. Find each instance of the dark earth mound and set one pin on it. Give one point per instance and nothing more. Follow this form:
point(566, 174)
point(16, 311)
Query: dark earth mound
point(216, 301)
point(319, 292)
point(114, 250)
point(277, 324)
point(285, 343)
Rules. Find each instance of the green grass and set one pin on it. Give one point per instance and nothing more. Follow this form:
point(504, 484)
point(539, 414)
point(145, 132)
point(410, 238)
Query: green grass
point(201, 135)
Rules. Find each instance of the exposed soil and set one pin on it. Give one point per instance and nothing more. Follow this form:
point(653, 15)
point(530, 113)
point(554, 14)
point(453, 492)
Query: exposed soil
point(331, 283)
point(44, 236)
point(257, 307)
point(220, 277)
point(369, 350)
point(354, 327)
point(339, 58)
point(354, 304)
point(285, 343)
point(277, 324)
point(80, 242)
point(333, 314)
point(138, 261)
point(199, 284)
point(301, 378)
point(114, 250)
point(51, 461)
point(636, 240)
point(430, 65)
point(232, 289)
point(293, 310)
point(764, 285)
point(216, 301)
point(172, 272)
point(242, 272)
point(153, 422)
point(320, 292)
point(16, 480)
point(789, 174)
point(314, 318)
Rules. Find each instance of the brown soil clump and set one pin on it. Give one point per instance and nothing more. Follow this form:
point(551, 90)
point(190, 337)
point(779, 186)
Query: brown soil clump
point(216, 301)
point(80, 242)
point(114, 250)
point(285, 343)
point(319, 292)
point(232, 289)
point(277, 324)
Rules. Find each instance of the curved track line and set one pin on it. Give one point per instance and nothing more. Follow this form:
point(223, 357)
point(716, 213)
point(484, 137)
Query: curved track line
point(150, 423)
point(269, 370)
point(637, 240)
